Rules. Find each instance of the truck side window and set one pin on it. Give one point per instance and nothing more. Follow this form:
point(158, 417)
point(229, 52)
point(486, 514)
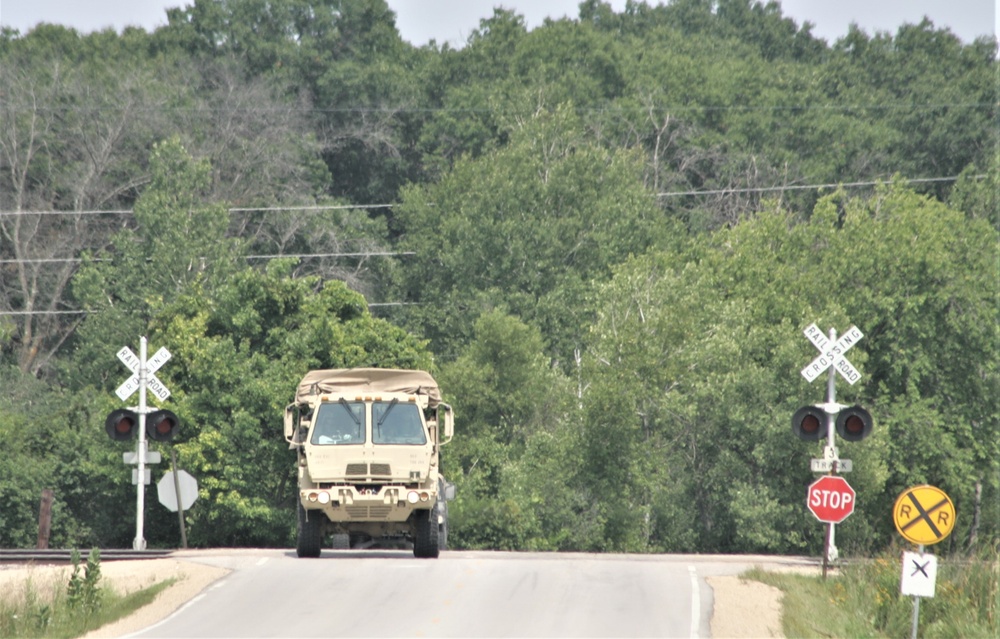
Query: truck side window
point(397, 423)
point(339, 423)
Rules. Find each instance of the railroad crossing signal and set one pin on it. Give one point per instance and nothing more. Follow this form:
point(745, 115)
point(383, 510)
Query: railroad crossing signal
point(809, 423)
point(158, 424)
point(832, 354)
point(121, 424)
point(924, 515)
point(853, 423)
point(162, 425)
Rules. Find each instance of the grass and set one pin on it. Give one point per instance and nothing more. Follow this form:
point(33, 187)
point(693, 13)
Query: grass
point(55, 609)
point(863, 600)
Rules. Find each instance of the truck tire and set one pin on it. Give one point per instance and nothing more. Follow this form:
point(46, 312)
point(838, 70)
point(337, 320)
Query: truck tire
point(425, 542)
point(310, 534)
point(442, 512)
point(443, 526)
point(443, 536)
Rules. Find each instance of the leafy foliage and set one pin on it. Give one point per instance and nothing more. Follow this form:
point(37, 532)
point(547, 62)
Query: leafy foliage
point(697, 356)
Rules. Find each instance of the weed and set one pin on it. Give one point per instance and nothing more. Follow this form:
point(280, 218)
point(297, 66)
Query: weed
point(70, 610)
point(864, 600)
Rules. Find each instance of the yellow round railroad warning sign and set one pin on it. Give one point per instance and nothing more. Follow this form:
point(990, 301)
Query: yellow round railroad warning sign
point(924, 514)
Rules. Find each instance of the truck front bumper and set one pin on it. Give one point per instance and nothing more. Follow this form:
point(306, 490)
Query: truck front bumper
point(348, 503)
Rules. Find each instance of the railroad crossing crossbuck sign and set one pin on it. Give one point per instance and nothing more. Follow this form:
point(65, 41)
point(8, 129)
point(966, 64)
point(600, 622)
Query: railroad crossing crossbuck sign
point(924, 515)
point(832, 354)
point(153, 364)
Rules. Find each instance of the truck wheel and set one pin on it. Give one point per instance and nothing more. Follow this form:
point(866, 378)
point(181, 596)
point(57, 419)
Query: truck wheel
point(443, 536)
point(310, 534)
point(425, 542)
point(442, 514)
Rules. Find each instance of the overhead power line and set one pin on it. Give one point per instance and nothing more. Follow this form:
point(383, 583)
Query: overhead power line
point(262, 209)
point(46, 312)
point(91, 312)
point(808, 187)
point(795, 187)
point(248, 257)
point(910, 106)
point(318, 207)
point(307, 255)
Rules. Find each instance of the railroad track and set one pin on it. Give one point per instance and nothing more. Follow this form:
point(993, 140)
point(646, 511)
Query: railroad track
point(63, 556)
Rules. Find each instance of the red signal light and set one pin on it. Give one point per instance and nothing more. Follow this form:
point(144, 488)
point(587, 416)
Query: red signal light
point(809, 423)
point(854, 423)
point(121, 424)
point(162, 425)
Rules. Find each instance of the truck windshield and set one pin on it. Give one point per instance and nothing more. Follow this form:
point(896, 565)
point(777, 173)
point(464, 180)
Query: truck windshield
point(340, 423)
point(397, 423)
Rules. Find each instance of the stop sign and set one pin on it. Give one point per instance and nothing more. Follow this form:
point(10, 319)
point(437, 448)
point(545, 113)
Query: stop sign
point(166, 489)
point(831, 499)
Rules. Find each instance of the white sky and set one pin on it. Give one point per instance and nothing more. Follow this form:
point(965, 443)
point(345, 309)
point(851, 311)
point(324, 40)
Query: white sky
point(453, 20)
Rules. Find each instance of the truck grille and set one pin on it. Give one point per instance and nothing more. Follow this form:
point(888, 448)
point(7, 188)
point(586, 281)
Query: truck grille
point(361, 470)
point(368, 512)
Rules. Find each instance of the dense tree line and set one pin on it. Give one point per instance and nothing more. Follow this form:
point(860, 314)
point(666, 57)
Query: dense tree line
point(604, 236)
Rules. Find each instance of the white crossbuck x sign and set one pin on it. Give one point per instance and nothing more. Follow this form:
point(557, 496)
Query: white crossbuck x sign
point(832, 354)
point(153, 364)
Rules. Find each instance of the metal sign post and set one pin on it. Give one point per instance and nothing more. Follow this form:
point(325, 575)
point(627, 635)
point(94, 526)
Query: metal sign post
point(923, 515)
point(141, 379)
point(831, 358)
point(140, 500)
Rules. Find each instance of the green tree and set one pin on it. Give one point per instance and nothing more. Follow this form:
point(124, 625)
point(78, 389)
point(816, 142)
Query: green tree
point(526, 227)
point(55, 440)
point(238, 352)
point(694, 371)
point(514, 456)
point(178, 240)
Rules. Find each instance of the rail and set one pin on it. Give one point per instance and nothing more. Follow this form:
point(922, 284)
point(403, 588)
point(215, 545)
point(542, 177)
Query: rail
point(63, 556)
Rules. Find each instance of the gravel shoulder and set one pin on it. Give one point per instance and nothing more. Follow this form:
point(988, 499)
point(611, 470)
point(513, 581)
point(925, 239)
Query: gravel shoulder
point(743, 608)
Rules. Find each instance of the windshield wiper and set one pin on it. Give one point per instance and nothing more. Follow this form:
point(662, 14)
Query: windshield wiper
point(386, 413)
point(343, 402)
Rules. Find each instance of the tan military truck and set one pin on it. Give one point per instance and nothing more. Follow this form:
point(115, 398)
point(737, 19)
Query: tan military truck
point(368, 444)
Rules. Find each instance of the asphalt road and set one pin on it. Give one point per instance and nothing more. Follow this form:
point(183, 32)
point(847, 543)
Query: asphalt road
point(271, 593)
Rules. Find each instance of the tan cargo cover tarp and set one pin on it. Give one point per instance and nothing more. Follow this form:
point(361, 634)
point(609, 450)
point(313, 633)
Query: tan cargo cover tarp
point(369, 380)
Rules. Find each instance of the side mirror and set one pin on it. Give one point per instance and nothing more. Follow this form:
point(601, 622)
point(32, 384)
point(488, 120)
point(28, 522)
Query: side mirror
point(291, 411)
point(446, 417)
point(449, 491)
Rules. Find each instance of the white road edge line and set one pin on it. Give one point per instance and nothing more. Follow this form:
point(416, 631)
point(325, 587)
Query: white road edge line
point(187, 605)
point(695, 603)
